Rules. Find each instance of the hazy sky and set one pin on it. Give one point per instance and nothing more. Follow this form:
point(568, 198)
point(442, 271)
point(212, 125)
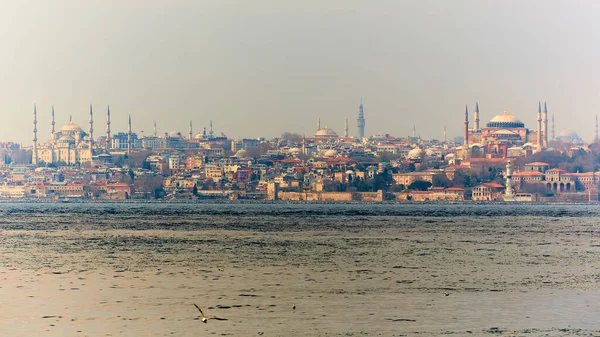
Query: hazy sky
point(258, 68)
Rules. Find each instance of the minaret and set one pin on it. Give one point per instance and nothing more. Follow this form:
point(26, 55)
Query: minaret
point(190, 131)
point(129, 136)
point(361, 120)
point(108, 139)
point(509, 192)
point(596, 135)
point(445, 133)
point(539, 130)
point(545, 125)
point(553, 130)
point(210, 132)
point(91, 128)
point(319, 124)
point(155, 134)
point(476, 118)
point(346, 127)
point(466, 129)
point(34, 155)
point(414, 134)
point(52, 123)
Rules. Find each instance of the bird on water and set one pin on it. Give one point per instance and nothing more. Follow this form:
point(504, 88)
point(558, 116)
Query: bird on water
point(205, 319)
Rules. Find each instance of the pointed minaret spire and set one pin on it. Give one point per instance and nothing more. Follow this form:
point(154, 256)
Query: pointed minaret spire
point(596, 136)
point(466, 130)
point(91, 128)
point(108, 139)
point(539, 129)
point(155, 134)
point(360, 121)
point(553, 129)
point(545, 125)
point(52, 123)
point(210, 131)
point(414, 133)
point(346, 127)
point(445, 133)
point(129, 135)
point(190, 136)
point(319, 124)
point(34, 157)
point(70, 118)
point(476, 118)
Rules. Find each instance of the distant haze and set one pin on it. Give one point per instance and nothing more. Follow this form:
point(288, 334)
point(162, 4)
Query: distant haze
point(259, 68)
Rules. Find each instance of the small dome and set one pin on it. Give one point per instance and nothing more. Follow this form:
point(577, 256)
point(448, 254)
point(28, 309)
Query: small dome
point(568, 133)
point(175, 134)
point(505, 120)
point(66, 138)
point(350, 172)
point(504, 132)
point(330, 153)
point(72, 127)
point(199, 136)
point(326, 132)
point(241, 154)
point(416, 153)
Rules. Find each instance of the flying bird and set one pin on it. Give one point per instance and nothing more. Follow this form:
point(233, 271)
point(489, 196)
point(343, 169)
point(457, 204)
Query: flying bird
point(205, 319)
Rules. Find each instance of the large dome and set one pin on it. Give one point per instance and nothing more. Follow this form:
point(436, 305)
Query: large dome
point(505, 120)
point(72, 127)
point(175, 134)
point(326, 132)
point(569, 135)
point(416, 153)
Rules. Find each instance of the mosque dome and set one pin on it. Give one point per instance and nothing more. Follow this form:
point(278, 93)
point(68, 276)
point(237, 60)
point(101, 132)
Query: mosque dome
point(295, 150)
point(569, 135)
point(200, 135)
point(325, 133)
point(72, 127)
point(241, 154)
point(66, 138)
point(175, 134)
point(416, 153)
point(505, 120)
point(330, 153)
point(350, 172)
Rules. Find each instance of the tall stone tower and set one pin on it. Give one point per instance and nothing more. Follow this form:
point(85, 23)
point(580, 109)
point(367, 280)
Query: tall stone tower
point(129, 135)
point(190, 135)
point(476, 118)
point(346, 127)
point(108, 139)
point(52, 131)
point(508, 194)
point(539, 128)
point(545, 125)
point(34, 154)
point(360, 121)
point(91, 135)
point(466, 129)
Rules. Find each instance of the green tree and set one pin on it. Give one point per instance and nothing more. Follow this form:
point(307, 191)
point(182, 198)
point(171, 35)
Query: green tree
point(419, 185)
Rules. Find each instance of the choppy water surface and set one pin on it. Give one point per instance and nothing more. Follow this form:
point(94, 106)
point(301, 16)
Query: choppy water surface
point(463, 268)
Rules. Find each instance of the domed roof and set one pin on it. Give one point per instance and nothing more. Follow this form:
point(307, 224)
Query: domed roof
point(325, 132)
point(200, 135)
point(330, 153)
point(66, 138)
point(350, 172)
point(175, 134)
point(416, 153)
point(72, 127)
point(569, 133)
point(505, 120)
point(504, 132)
point(241, 154)
point(295, 150)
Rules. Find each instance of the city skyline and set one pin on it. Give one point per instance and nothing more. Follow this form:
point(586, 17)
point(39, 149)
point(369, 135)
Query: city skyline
point(260, 69)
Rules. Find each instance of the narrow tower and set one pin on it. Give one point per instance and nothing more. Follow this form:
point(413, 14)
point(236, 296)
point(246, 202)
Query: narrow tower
point(129, 135)
point(545, 125)
point(319, 124)
point(155, 134)
point(108, 139)
point(346, 127)
point(52, 131)
point(508, 194)
point(91, 128)
point(210, 132)
point(539, 129)
point(414, 133)
point(445, 133)
point(466, 129)
point(553, 129)
point(190, 131)
point(34, 156)
point(596, 135)
point(360, 121)
point(476, 118)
